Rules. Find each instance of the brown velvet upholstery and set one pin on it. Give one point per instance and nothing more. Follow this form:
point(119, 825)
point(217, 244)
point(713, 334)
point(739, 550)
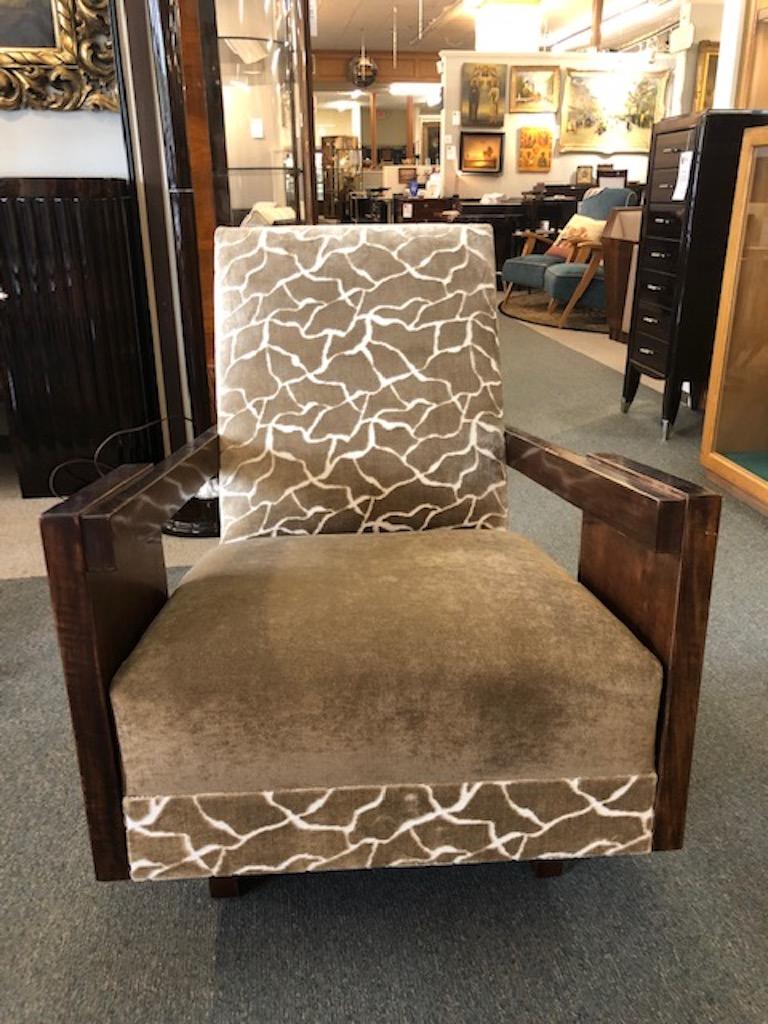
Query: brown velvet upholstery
point(434, 657)
point(358, 382)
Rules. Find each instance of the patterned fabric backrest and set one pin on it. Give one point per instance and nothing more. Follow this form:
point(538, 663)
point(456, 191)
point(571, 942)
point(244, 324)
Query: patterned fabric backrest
point(600, 204)
point(358, 381)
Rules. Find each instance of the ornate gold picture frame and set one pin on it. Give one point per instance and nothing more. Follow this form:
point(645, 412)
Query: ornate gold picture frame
point(706, 72)
point(56, 55)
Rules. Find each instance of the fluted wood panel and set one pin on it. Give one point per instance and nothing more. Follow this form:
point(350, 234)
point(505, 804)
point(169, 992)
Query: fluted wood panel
point(74, 347)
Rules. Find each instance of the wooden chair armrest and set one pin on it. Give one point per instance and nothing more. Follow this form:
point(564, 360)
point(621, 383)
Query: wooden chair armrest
point(648, 544)
point(635, 500)
point(147, 500)
point(531, 238)
point(107, 577)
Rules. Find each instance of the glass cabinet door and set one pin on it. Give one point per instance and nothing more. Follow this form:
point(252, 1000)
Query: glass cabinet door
point(257, 71)
point(735, 441)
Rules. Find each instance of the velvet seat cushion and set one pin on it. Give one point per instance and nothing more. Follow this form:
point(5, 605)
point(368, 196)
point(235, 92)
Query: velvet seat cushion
point(528, 271)
point(363, 660)
point(560, 283)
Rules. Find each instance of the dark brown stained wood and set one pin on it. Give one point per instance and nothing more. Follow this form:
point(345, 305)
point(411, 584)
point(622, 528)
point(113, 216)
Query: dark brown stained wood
point(75, 341)
point(638, 504)
point(617, 259)
point(663, 597)
point(148, 501)
point(83, 658)
point(660, 591)
point(224, 888)
point(201, 165)
point(547, 868)
point(107, 578)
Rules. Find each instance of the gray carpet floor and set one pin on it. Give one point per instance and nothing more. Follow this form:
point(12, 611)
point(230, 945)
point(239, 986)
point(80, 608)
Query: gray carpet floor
point(678, 938)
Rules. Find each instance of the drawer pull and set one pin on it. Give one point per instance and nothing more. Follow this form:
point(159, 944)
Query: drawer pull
point(663, 220)
point(647, 351)
point(657, 255)
point(665, 185)
point(671, 149)
point(655, 287)
point(650, 320)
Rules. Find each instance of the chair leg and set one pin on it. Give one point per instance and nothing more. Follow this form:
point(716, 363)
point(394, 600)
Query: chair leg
point(581, 287)
point(552, 305)
point(547, 868)
point(222, 888)
point(507, 293)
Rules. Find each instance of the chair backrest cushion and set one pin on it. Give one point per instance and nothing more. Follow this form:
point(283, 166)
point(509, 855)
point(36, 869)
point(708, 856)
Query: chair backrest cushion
point(600, 204)
point(358, 382)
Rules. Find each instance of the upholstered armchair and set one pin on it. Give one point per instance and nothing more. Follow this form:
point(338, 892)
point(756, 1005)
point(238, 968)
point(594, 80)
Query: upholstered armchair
point(573, 244)
point(370, 669)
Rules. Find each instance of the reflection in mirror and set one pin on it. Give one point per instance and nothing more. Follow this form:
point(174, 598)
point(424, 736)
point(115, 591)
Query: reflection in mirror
point(259, 109)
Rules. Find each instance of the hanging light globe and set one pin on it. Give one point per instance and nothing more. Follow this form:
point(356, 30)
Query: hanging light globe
point(363, 70)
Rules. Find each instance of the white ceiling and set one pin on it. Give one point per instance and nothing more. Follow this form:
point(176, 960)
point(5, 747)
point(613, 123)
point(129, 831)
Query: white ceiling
point(341, 22)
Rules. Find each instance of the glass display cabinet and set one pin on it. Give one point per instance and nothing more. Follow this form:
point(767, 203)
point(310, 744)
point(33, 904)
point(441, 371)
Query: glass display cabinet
point(735, 438)
point(258, 108)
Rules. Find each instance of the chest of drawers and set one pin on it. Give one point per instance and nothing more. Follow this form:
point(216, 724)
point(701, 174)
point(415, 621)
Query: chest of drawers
point(682, 252)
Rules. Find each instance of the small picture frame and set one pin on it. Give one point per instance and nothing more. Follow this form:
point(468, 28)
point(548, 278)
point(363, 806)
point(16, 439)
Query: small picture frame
point(481, 152)
point(534, 150)
point(534, 89)
point(612, 178)
point(585, 174)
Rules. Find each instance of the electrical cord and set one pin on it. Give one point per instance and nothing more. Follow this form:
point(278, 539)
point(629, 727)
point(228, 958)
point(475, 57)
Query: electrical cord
point(102, 468)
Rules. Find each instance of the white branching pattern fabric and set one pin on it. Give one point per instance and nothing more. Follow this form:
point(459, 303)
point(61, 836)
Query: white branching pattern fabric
point(358, 379)
point(387, 826)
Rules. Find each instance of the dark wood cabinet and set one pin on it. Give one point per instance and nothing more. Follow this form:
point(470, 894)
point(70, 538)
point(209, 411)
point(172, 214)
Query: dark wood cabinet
point(75, 344)
point(682, 252)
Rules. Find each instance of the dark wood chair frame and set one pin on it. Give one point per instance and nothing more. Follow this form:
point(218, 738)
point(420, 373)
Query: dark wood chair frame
point(647, 552)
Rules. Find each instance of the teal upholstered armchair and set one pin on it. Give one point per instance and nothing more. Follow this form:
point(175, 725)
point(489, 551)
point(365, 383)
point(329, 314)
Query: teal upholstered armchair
point(575, 243)
point(371, 669)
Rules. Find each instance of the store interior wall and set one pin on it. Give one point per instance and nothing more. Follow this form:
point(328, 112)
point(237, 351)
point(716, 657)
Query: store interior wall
point(62, 144)
point(510, 181)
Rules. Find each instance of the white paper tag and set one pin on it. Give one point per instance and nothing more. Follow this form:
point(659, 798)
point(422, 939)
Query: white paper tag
point(407, 211)
point(683, 176)
point(456, 118)
point(448, 140)
point(450, 152)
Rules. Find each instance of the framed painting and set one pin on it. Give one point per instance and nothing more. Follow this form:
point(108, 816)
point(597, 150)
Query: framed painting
point(56, 55)
point(534, 89)
point(607, 112)
point(483, 95)
point(481, 152)
point(534, 150)
point(585, 174)
point(706, 72)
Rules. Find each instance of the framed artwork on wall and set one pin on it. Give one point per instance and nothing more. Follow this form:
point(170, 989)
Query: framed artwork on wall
point(606, 112)
point(56, 55)
point(534, 89)
point(481, 152)
point(585, 174)
point(483, 95)
point(534, 150)
point(706, 72)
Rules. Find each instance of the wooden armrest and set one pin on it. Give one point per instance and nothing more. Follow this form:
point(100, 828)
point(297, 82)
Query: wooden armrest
point(148, 499)
point(648, 542)
point(107, 579)
point(635, 501)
